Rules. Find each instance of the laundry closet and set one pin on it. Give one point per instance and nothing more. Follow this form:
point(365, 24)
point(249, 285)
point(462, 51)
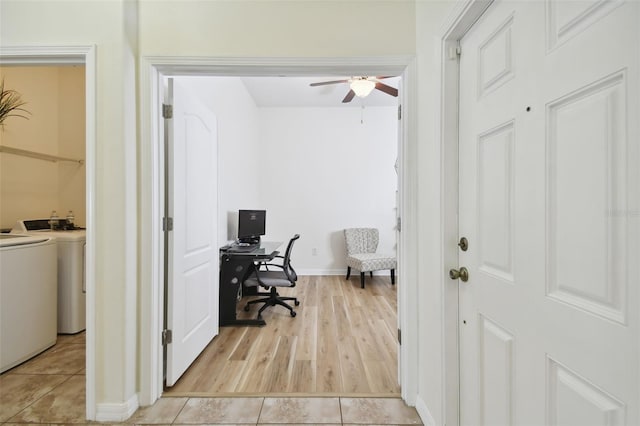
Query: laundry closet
point(42, 170)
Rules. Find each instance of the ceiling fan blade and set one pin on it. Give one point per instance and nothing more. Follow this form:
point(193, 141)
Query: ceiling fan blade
point(349, 96)
point(387, 89)
point(323, 83)
point(383, 76)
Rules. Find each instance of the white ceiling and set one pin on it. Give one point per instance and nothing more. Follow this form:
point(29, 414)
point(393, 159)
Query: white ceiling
point(296, 92)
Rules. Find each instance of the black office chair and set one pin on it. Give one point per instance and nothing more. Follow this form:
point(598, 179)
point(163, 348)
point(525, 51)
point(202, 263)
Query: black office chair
point(283, 276)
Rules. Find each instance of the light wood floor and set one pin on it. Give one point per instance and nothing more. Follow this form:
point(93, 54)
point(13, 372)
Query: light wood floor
point(342, 342)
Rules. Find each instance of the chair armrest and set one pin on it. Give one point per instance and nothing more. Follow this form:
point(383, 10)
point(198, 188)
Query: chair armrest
point(266, 265)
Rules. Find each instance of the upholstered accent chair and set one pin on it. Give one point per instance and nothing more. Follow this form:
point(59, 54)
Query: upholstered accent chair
point(362, 244)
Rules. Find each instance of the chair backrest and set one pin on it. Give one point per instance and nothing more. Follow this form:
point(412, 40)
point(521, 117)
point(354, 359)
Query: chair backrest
point(361, 240)
point(286, 261)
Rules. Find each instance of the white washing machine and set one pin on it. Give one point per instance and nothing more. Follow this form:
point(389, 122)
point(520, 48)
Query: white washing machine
point(28, 287)
point(71, 272)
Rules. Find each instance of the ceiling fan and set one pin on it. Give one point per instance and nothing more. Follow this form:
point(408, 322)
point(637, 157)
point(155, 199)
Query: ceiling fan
point(361, 86)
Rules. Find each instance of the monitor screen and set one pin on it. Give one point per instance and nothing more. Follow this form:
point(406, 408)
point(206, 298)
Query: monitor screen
point(251, 223)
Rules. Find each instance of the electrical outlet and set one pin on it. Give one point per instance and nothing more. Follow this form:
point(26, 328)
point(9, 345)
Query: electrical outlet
point(314, 251)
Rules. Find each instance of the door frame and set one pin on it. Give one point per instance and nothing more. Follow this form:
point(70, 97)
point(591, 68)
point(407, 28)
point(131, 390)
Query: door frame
point(78, 55)
point(153, 69)
point(463, 17)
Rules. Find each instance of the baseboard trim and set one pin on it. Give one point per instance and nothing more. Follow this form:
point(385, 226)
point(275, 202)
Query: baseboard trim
point(343, 271)
point(317, 272)
point(117, 412)
point(424, 413)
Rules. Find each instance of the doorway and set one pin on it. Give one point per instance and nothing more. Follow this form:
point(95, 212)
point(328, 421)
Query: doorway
point(84, 56)
point(266, 143)
point(169, 67)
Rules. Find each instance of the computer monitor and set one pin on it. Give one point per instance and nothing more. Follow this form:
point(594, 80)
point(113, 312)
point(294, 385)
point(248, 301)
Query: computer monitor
point(251, 225)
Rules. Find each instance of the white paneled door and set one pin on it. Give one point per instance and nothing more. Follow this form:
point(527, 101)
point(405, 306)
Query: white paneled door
point(549, 193)
point(192, 294)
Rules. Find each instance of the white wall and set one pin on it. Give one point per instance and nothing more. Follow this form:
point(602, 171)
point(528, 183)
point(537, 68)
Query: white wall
point(289, 28)
point(315, 170)
point(107, 25)
point(31, 188)
point(322, 171)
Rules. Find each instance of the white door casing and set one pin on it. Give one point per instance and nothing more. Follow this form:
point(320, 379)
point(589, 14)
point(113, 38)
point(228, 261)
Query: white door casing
point(193, 261)
point(549, 203)
point(154, 68)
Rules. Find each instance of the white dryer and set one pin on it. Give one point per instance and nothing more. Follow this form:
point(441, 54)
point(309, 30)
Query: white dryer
point(27, 297)
point(71, 271)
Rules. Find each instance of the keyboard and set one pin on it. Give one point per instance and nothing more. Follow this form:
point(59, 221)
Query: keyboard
point(241, 248)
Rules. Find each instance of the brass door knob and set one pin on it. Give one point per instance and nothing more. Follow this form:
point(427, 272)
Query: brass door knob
point(462, 274)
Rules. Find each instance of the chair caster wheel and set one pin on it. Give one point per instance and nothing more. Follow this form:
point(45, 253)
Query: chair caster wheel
point(246, 308)
point(297, 303)
point(293, 314)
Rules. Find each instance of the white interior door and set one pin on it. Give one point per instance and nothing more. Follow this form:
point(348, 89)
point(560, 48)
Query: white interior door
point(549, 203)
point(193, 262)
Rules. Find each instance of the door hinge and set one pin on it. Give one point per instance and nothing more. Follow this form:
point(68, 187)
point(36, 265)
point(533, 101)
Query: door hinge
point(167, 111)
point(167, 337)
point(455, 52)
point(167, 224)
point(398, 223)
point(399, 112)
point(399, 336)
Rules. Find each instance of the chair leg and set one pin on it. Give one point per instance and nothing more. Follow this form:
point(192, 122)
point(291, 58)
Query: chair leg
point(361, 279)
point(348, 271)
point(371, 274)
point(393, 276)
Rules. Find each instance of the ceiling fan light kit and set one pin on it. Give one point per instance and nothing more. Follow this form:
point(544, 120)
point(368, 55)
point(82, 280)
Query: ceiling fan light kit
point(362, 87)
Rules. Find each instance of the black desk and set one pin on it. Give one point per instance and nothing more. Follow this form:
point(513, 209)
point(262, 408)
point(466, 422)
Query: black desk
point(235, 266)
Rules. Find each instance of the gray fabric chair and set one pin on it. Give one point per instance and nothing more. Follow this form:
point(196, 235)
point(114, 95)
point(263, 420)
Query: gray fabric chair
point(283, 276)
point(362, 244)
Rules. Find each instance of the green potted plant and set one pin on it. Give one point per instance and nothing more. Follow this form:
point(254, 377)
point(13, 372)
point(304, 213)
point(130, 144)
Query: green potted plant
point(10, 104)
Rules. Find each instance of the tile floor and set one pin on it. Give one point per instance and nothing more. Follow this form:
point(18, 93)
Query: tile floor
point(50, 389)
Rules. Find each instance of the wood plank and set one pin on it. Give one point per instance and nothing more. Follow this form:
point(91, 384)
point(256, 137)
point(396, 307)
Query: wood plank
point(310, 287)
point(228, 378)
point(280, 369)
point(328, 378)
point(365, 335)
point(303, 378)
point(307, 333)
point(258, 362)
point(245, 344)
point(354, 378)
point(379, 377)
